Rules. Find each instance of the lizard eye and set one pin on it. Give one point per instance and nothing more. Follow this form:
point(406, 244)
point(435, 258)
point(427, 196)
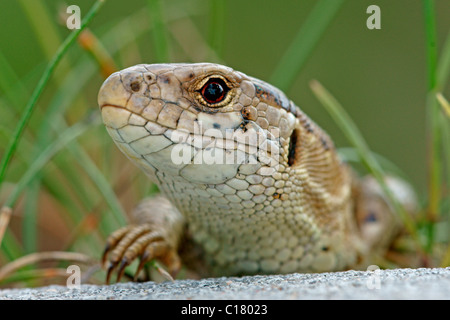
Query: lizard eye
point(214, 91)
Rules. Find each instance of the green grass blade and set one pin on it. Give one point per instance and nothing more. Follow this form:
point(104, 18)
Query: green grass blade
point(159, 31)
point(445, 125)
point(352, 155)
point(44, 157)
point(10, 150)
point(443, 67)
point(11, 246)
point(433, 111)
point(444, 104)
point(443, 72)
point(48, 38)
point(10, 84)
point(102, 184)
point(46, 32)
point(29, 224)
point(305, 41)
point(355, 137)
point(431, 42)
point(217, 23)
point(41, 24)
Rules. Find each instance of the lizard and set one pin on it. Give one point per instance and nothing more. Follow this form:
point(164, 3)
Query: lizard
point(249, 184)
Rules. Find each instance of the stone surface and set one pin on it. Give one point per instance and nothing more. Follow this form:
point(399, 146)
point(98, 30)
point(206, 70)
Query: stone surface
point(380, 284)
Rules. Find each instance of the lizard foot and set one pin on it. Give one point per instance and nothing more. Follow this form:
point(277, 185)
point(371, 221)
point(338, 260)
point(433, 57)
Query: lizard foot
point(128, 243)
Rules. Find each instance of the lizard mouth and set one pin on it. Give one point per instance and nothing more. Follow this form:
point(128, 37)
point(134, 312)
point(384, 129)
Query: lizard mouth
point(111, 105)
point(176, 152)
point(205, 158)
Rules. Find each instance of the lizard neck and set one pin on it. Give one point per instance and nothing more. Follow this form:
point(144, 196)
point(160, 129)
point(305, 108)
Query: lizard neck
point(235, 222)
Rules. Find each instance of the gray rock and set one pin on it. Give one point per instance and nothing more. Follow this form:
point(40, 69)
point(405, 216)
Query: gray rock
point(380, 284)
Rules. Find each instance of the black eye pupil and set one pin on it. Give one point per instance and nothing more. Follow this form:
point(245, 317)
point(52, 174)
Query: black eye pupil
point(214, 90)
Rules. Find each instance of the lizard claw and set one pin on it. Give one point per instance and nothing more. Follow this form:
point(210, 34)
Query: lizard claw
point(126, 244)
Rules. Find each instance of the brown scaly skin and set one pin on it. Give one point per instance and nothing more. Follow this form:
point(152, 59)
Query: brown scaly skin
point(275, 198)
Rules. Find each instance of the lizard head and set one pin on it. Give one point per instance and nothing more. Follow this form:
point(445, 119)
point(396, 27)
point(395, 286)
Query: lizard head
point(204, 122)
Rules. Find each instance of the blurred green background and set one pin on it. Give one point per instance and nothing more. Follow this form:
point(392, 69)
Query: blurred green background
point(379, 76)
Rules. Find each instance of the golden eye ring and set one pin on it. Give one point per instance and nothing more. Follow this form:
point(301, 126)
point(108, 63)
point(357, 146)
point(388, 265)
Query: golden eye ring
point(214, 91)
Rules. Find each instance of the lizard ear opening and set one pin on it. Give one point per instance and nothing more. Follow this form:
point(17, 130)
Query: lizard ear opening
point(292, 159)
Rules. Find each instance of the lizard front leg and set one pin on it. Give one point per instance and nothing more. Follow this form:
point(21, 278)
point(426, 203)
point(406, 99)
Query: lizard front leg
point(155, 234)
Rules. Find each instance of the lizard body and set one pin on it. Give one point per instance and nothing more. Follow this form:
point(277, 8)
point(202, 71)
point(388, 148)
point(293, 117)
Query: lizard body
point(243, 173)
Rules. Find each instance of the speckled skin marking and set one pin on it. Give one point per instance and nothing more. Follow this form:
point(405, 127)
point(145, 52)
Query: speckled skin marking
point(292, 210)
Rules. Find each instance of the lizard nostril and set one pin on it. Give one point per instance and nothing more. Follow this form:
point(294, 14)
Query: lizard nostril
point(135, 86)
